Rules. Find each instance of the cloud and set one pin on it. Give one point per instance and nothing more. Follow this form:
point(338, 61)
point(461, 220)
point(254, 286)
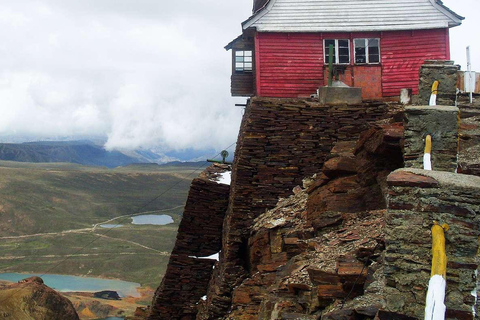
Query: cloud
point(143, 73)
point(466, 34)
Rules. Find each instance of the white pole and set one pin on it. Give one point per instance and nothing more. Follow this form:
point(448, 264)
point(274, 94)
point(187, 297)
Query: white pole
point(469, 69)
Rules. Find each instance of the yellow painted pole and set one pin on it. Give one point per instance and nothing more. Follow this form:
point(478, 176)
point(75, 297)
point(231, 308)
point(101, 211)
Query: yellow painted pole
point(433, 95)
point(427, 158)
point(439, 257)
point(435, 305)
point(435, 87)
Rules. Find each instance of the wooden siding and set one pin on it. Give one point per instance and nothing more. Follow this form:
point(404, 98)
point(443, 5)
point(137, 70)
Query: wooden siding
point(351, 16)
point(289, 65)
point(404, 52)
point(242, 83)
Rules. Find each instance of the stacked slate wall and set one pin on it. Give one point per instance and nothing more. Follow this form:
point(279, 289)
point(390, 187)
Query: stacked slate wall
point(445, 72)
point(417, 198)
point(281, 141)
point(442, 123)
point(199, 235)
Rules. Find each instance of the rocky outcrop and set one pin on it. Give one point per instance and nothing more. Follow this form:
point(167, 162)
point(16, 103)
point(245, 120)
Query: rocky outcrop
point(281, 141)
point(322, 247)
point(327, 248)
point(199, 237)
point(32, 299)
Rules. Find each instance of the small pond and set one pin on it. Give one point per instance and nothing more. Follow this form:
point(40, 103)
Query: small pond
point(64, 283)
point(155, 219)
point(110, 226)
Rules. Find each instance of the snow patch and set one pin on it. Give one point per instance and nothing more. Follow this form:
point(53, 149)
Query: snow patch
point(204, 298)
point(225, 178)
point(215, 256)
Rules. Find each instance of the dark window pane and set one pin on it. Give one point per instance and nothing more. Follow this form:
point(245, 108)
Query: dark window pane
point(344, 59)
point(329, 42)
point(360, 51)
point(343, 43)
point(373, 51)
point(327, 50)
point(373, 58)
point(360, 56)
point(343, 51)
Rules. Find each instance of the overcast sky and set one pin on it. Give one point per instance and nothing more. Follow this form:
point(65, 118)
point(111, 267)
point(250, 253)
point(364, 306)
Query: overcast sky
point(140, 72)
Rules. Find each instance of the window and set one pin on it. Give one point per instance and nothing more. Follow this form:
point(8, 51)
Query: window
point(367, 51)
point(243, 61)
point(341, 50)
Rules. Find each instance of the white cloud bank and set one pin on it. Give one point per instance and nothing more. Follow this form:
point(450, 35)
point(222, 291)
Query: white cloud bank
point(140, 72)
point(144, 73)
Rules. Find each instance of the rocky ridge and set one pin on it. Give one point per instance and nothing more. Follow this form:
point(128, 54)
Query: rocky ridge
point(32, 299)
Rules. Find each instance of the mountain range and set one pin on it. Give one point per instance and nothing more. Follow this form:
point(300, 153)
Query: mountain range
point(86, 152)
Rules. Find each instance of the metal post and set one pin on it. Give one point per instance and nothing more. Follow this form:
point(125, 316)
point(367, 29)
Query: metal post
point(469, 69)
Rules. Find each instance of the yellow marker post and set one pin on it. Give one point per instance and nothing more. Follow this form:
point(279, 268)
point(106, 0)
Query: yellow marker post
point(433, 95)
point(435, 306)
point(427, 158)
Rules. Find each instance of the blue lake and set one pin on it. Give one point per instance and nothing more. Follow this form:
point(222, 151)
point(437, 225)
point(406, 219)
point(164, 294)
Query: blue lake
point(155, 219)
point(64, 283)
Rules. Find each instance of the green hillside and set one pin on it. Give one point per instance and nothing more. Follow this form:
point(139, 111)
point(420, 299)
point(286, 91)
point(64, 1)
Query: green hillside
point(48, 213)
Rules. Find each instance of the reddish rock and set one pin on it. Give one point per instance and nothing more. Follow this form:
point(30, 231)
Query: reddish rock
point(409, 179)
point(340, 166)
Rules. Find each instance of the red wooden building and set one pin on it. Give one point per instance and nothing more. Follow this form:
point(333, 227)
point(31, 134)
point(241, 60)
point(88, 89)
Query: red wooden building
point(379, 45)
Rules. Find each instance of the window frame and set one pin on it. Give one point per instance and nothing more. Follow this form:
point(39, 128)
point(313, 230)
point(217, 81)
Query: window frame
point(243, 62)
point(337, 57)
point(367, 55)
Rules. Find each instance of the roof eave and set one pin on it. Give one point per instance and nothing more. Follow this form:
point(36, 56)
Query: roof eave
point(258, 14)
point(231, 43)
point(456, 18)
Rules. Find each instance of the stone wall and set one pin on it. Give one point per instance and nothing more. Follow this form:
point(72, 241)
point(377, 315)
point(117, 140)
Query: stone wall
point(443, 71)
point(417, 198)
point(199, 235)
point(442, 123)
point(281, 141)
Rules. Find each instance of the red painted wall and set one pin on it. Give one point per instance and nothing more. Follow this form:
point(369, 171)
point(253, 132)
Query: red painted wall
point(404, 52)
point(291, 64)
